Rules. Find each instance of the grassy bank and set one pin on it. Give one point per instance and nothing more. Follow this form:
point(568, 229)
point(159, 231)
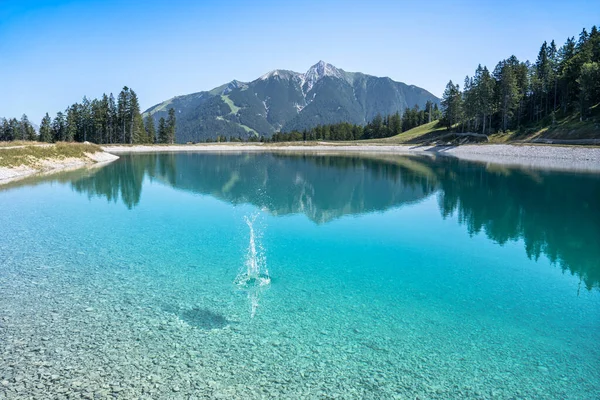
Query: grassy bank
point(18, 143)
point(30, 154)
point(563, 130)
point(415, 135)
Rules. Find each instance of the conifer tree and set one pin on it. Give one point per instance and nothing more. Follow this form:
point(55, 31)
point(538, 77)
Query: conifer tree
point(429, 110)
point(138, 134)
point(27, 131)
point(150, 129)
point(5, 133)
point(46, 129)
point(589, 82)
point(123, 122)
point(485, 97)
point(508, 91)
point(71, 123)
point(395, 124)
point(171, 126)
point(111, 118)
point(84, 119)
point(163, 134)
point(451, 105)
point(59, 127)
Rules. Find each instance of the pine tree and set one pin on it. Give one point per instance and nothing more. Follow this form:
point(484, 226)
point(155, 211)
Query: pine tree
point(123, 122)
point(97, 130)
point(395, 124)
point(163, 135)
point(84, 120)
point(5, 132)
point(71, 123)
point(150, 129)
point(429, 110)
point(485, 98)
point(111, 119)
point(508, 91)
point(138, 134)
point(451, 105)
point(553, 72)
point(104, 119)
point(568, 72)
point(589, 82)
point(27, 131)
point(46, 129)
point(469, 103)
point(522, 76)
point(171, 126)
point(377, 126)
point(59, 127)
point(543, 69)
point(14, 129)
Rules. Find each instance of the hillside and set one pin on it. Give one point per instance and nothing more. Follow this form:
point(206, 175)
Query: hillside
point(567, 130)
point(284, 100)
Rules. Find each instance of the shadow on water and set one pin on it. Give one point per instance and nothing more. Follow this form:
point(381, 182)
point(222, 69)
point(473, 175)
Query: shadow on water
point(556, 214)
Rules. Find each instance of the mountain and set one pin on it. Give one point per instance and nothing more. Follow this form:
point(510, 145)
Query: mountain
point(283, 100)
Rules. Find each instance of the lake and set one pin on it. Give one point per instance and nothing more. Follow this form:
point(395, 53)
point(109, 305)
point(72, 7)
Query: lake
point(265, 275)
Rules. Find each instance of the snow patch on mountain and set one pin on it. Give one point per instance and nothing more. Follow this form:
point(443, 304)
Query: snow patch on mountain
point(314, 74)
point(279, 74)
point(318, 72)
point(269, 75)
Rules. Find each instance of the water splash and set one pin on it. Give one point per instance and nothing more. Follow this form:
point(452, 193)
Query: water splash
point(254, 276)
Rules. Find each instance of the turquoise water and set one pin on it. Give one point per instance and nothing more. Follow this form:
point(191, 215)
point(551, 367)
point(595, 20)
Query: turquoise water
point(270, 276)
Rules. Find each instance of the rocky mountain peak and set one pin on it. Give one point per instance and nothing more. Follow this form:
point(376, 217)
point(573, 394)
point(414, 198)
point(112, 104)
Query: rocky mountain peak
point(318, 72)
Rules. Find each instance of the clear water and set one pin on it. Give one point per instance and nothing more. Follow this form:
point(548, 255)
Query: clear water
point(270, 276)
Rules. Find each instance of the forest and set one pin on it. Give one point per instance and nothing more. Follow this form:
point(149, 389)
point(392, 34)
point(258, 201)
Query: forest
point(101, 121)
point(564, 81)
point(379, 127)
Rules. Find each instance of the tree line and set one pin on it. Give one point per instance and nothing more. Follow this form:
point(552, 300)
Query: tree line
point(101, 121)
point(562, 81)
point(379, 127)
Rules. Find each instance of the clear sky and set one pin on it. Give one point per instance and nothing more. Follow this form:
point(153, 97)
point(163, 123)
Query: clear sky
point(53, 52)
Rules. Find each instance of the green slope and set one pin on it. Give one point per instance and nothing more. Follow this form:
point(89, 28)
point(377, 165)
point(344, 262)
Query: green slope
point(565, 130)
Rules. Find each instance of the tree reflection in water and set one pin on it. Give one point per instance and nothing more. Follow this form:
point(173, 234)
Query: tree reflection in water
point(555, 214)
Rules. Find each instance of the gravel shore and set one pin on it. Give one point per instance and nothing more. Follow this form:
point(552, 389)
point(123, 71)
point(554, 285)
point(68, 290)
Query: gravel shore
point(532, 156)
point(54, 165)
point(568, 158)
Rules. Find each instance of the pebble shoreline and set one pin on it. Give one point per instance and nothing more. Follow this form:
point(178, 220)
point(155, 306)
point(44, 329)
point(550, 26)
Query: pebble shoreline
point(51, 166)
point(584, 159)
point(581, 159)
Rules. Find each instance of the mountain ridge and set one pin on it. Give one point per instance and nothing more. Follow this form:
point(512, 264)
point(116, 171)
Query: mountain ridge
point(285, 100)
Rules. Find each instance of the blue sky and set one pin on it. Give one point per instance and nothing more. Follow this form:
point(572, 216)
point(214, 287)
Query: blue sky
point(53, 52)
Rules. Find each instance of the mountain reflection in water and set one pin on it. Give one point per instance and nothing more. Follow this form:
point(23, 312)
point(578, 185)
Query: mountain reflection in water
point(556, 214)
